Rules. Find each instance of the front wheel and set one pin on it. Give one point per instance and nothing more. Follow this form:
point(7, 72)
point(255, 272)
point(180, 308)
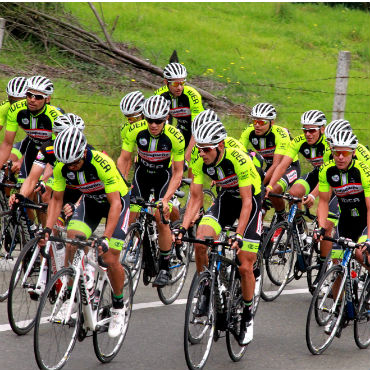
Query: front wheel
point(22, 300)
point(55, 334)
point(362, 320)
point(325, 313)
point(200, 322)
point(234, 317)
point(107, 348)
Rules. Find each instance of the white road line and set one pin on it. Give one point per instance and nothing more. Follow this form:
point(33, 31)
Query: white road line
point(141, 306)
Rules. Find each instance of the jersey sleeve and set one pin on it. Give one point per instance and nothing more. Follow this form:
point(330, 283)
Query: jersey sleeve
point(324, 186)
point(59, 183)
point(108, 174)
point(197, 169)
point(129, 139)
point(4, 107)
point(11, 118)
point(196, 105)
point(363, 154)
point(294, 146)
point(244, 138)
point(282, 140)
point(178, 145)
point(365, 178)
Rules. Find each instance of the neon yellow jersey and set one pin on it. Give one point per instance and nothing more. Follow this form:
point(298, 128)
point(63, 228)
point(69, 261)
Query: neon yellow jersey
point(234, 170)
point(4, 107)
point(154, 152)
point(98, 176)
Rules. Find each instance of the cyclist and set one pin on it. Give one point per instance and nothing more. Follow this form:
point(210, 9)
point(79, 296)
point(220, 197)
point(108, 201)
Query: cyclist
point(349, 180)
point(159, 167)
point(132, 108)
point(104, 194)
point(35, 116)
point(271, 141)
point(312, 145)
point(16, 90)
point(185, 101)
point(240, 197)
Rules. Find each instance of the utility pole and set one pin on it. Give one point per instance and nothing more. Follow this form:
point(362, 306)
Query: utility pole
point(344, 61)
point(2, 31)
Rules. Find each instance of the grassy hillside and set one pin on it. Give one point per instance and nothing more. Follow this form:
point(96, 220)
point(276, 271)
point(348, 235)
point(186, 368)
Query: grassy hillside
point(250, 52)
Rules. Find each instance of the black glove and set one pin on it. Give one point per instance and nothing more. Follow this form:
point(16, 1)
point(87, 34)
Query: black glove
point(239, 239)
point(44, 232)
point(179, 230)
point(103, 242)
point(42, 187)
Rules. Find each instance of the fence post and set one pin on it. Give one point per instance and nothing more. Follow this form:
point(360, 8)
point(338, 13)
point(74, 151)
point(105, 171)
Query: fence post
point(341, 83)
point(2, 31)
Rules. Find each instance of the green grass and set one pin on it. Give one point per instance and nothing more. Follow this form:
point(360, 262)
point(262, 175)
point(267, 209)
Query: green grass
point(283, 53)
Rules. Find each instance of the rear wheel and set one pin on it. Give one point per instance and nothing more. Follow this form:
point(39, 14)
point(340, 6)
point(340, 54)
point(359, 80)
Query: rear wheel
point(279, 254)
point(107, 348)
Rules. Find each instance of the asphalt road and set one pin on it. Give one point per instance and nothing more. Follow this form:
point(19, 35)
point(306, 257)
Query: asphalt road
point(155, 339)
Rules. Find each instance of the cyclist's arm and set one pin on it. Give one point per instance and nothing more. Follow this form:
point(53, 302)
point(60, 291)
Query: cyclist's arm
point(115, 208)
point(6, 146)
point(323, 208)
point(246, 195)
point(280, 170)
point(54, 208)
point(195, 202)
point(275, 162)
point(47, 172)
point(124, 163)
point(31, 180)
point(189, 148)
point(177, 171)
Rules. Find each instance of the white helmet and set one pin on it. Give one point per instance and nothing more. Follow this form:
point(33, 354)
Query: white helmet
point(210, 132)
point(313, 117)
point(336, 125)
point(204, 117)
point(344, 138)
point(263, 111)
point(173, 71)
point(17, 87)
point(156, 107)
point(132, 103)
point(41, 84)
point(67, 120)
point(70, 144)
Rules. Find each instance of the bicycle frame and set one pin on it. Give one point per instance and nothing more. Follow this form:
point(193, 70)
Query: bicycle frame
point(89, 302)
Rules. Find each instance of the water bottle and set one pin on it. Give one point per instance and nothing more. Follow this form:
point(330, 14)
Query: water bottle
point(59, 255)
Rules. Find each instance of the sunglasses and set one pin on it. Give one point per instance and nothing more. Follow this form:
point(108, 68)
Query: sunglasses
point(36, 96)
point(310, 130)
point(260, 122)
point(344, 153)
point(155, 121)
point(133, 119)
point(176, 83)
point(206, 149)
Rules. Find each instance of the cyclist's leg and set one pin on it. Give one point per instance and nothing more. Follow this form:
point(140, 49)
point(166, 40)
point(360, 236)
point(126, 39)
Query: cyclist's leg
point(363, 260)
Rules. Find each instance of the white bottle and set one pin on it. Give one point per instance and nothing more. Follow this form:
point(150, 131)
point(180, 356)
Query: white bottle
point(59, 255)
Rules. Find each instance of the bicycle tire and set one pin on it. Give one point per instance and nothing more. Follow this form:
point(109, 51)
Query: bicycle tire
point(106, 348)
point(132, 254)
point(322, 306)
point(258, 287)
point(50, 331)
point(361, 329)
point(179, 266)
point(278, 252)
point(22, 306)
point(198, 331)
point(234, 314)
point(7, 257)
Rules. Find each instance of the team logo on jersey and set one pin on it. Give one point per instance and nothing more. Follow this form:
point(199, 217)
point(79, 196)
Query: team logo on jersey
point(71, 175)
point(143, 141)
point(25, 121)
point(335, 178)
point(254, 141)
point(40, 156)
point(211, 171)
point(307, 151)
